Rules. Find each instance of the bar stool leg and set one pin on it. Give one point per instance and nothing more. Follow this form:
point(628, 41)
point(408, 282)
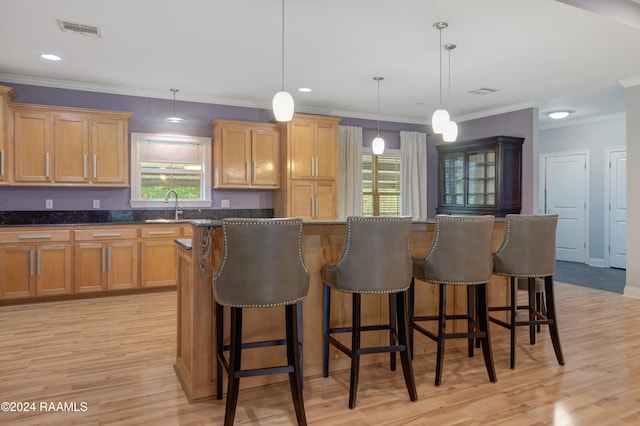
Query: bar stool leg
point(410, 308)
point(403, 339)
point(392, 329)
point(483, 323)
point(219, 315)
point(442, 323)
point(551, 315)
point(235, 356)
point(512, 328)
point(471, 313)
point(293, 359)
point(531, 303)
point(326, 321)
point(355, 350)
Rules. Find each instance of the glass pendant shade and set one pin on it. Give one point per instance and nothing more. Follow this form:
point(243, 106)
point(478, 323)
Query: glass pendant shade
point(174, 118)
point(450, 133)
point(377, 145)
point(283, 106)
point(439, 120)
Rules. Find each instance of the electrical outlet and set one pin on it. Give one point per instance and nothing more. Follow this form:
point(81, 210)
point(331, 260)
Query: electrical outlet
point(225, 204)
point(48, 204)
point(96, 204)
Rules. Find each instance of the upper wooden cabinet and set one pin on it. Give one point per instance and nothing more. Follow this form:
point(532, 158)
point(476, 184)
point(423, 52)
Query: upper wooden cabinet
point(246, 155)
point(69, 146)
point(6, 94)
point(309, 168)
point(481, 176)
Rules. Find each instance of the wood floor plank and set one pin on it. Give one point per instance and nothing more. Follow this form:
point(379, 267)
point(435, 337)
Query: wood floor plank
point(116, 355)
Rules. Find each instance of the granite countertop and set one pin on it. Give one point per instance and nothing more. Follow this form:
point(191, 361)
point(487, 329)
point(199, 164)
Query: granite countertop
point(184, 242)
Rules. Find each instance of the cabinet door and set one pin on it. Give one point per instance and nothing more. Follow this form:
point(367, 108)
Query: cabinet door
point(33, 146)
point(90, 267)
point(325, 201)
point(452, 168)
point(235, 150)
point(326, 149)
point(302, 149)
point(17, 271)
point(71, 144)
point(109, 159)
point(122, 265)
point(158, 263)
point(302, 199)
point(53, 269)
point(265, 154)
point(481, 178)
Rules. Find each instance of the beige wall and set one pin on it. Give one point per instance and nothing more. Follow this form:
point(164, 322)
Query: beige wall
point(632, 288)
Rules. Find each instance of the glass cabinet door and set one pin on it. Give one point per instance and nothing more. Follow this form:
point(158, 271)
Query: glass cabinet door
point(453, 179)
point(481, 174)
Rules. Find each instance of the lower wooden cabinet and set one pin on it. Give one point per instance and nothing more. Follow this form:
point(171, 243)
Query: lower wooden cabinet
point(106, 259)
point(29, 268)
point(158, 255)
point(313, 199)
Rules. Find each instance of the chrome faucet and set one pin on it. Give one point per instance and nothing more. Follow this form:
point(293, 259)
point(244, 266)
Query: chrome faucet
point(166, 200)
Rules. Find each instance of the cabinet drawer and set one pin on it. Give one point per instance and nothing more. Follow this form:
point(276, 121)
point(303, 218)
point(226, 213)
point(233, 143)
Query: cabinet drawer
point(34, 236)
point(155, 231)
point(106, 234)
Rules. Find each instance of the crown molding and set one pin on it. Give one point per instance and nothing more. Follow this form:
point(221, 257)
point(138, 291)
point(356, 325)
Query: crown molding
point(630, 82)
point(582, 121)
point(496, 111)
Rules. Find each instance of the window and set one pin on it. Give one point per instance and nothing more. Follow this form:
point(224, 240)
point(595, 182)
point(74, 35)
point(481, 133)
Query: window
point(163, 162)
point(381, 183)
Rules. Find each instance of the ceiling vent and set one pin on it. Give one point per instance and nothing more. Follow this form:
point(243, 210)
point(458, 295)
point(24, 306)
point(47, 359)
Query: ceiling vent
point(72, 27)
point(482, 91)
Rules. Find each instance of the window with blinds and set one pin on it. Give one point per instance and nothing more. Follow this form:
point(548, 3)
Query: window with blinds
point(381, 184)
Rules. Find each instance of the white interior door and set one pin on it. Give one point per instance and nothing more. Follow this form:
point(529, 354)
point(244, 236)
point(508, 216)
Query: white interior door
point(566, 195)
point(618, 209)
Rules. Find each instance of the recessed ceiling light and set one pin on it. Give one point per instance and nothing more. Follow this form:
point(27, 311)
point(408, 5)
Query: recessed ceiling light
point(559, 115)
point(304, 89)
point(50, 57)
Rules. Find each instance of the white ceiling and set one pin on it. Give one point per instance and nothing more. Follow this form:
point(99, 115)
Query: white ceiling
point(536, 53)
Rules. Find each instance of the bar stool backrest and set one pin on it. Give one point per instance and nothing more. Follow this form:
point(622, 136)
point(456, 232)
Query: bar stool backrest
point(528, 248)
point(460, 251)
point(375, 257)
point(262, 263)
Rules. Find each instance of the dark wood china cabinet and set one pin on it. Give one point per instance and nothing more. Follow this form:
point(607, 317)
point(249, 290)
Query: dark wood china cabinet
point(480, 176)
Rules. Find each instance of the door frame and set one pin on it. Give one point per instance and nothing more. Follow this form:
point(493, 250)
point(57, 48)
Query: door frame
point(542, 176)
point(607, 201)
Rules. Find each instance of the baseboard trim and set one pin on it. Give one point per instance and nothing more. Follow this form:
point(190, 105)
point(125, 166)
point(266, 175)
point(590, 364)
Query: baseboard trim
point(633, 292)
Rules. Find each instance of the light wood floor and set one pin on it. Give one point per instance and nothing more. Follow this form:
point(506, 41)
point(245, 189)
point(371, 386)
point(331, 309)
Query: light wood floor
point(116, 356)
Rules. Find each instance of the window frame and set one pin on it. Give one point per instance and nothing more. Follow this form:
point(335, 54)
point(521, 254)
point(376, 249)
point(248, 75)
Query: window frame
point(390, 153)
point(205, 185)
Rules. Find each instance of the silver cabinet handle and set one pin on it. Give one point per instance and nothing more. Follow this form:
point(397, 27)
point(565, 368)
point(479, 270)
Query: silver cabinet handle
point(317, 171)
point(106, 234)
point(103, 259)
point(1, 162)
point(160, 233)
point(34, 236)
point(317, 207)
point(31, 263)
point(246, 170)
point(254, 170)
point(46, 164)
point(109, 261)
point(84, 166)
point(39, 263)
point(95, 166)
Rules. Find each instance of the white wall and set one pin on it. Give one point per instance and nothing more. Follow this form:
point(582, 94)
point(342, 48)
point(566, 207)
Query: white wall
point(633, 195)
point(595, 136)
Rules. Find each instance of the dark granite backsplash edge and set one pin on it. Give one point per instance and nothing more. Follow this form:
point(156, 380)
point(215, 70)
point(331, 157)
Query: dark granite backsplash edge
point(46, 217)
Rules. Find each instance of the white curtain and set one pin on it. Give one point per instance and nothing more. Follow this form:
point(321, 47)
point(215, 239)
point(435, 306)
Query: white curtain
point(349, 171)
point(413, 174)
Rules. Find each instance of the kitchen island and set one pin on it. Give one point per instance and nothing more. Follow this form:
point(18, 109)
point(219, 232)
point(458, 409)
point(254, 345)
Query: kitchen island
point(322, 242)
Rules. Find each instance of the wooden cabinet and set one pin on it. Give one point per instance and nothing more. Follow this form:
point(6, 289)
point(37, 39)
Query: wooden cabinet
point(105, 258)
point(69, 146)
point(309, 153)
point(35, 263)
point(6, 94)
point(246, 155)
point(481, 176)
point(158, 255)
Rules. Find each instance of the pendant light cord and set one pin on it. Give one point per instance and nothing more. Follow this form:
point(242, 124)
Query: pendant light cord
point(440, 50)
point(378, 105)
point(283, 45)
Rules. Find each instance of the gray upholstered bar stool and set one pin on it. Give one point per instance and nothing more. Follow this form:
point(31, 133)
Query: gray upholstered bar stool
point(261, 267)
point(528, 250)
point(375, 260)
point(460, 255)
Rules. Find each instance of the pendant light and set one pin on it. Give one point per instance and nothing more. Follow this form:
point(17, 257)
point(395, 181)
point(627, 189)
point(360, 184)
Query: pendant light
point(378, 143)
point(450, 133)
point(283, 101)
point(174, 118)
point(440, 117)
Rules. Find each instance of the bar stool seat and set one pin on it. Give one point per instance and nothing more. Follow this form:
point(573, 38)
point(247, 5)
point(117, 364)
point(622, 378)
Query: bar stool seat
point(528, 254)
point(262, 267)
point(375, 260)
point(460, 255)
